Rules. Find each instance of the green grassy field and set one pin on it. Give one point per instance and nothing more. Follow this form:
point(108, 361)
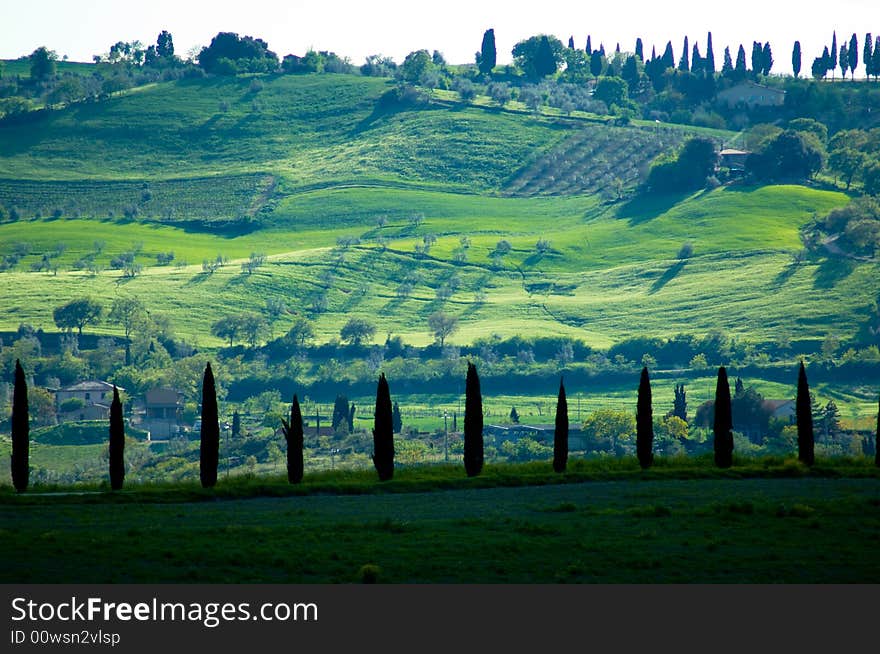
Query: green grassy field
point(670, 526)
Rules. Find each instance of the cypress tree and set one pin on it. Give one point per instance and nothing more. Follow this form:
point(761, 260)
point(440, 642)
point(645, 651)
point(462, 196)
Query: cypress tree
point(596, 63)
point(740, 70)
point(640, 49)
point(236, 424)
point(644, 422)
point(560, 434)
point(20, 431)
point(293, 434)
point(487, 59)
point(696, 60)
point(796, 59)
point(396, 419)
point(589, 48)
point(683, 62)
point(680, 404)
point(875, 58)
point(117, 443)
point(383, 432)
point(473, 423)
point(709, 61)
point(668, 58)
point(853, 54)
point(350, 419)
point(209, 449)
point(877, 438)
point(571, 43)
point(868, 56)
point(722, 427)
point(804, 413)
point(832, 62)
point(727, 65)
point(766, 59)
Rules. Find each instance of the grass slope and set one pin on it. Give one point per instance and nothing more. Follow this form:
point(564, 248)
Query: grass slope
point(766, 530)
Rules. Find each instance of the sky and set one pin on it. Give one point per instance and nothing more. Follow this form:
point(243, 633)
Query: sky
point(356, 29)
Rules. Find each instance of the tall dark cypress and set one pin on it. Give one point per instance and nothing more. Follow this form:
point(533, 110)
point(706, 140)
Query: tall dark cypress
point(804, 413)
point(560, 435)
point(473, 423)
point(383, 431)
point(117, 443)
point(796, 59)
point(683, 62)
point(644, 422)
point(20, 431)
point(640, 49)
point(709, 61)
point(293, 434)
point(488, 54)
point(209, 451)
point(723, 425)
point(877, 438)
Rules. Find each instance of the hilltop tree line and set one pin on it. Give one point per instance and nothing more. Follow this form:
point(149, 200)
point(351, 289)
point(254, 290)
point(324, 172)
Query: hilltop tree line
point(383, 430)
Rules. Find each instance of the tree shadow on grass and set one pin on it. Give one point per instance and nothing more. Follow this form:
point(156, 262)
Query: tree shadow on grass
point(833, 271)
point(785, 274)
point(198, 278)
point(643, 208)
point(667, 276)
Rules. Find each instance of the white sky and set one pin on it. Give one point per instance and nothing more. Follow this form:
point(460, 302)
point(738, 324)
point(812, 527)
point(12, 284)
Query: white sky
point(80, 29)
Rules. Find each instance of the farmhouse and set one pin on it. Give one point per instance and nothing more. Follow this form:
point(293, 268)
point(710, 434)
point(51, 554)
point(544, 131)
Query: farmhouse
point(86, 400)
point(735, 160)
point(162, 412)
point(751, 94)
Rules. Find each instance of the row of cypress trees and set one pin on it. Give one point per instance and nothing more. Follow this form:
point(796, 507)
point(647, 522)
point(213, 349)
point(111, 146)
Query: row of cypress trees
point(383, 429)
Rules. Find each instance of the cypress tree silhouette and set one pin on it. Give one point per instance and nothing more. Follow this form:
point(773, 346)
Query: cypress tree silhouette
point(473, 423)
point(560, 435)
point(488, 55)
point(117, 443)
point(644, 422)
point(877, 438)
point(680, 403)
point(209, 451)
point(293, 434)
point(236, 424)
point(804, 413)
point(723, 425)
point(383, 432)
point(20, 431)
point(396, 419)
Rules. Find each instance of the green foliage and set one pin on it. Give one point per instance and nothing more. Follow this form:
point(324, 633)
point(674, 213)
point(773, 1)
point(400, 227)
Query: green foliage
point(77, 314)
point(688, 171)
point(43, 64)
point(791, 155)
point(486, 57)
point(228, 54)
point(538, 56)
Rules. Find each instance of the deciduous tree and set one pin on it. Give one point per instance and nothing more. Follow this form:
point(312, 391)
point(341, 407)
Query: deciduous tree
point(77, 314)
point(356, 331)
point(442, 325)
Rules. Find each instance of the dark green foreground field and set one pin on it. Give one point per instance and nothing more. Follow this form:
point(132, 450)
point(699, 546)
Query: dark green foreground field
point(763, 522)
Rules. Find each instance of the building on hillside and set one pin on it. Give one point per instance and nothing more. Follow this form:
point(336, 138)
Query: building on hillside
point(86, 400)
point(751, 94)
point(734, 160)
point(781, 409)
point(162, 412)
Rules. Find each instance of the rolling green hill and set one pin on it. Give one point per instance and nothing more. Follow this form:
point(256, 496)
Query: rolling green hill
point(342, 190)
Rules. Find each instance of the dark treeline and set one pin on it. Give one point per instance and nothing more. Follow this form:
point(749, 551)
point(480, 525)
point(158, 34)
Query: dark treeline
point(384, 429)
